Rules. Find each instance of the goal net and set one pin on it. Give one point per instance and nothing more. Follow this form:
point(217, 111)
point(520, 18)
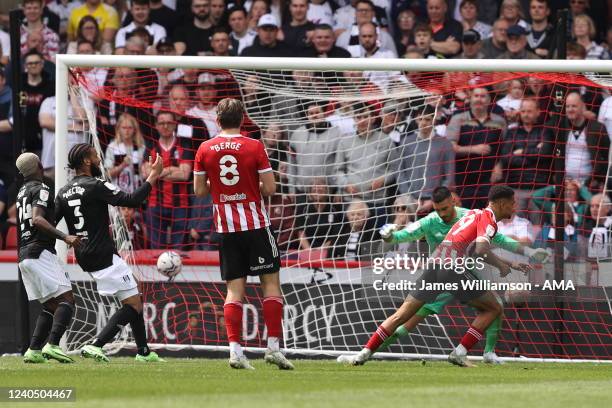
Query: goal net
point(353, 149)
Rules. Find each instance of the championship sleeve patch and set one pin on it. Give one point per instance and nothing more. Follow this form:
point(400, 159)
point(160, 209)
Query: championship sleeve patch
point(111, 187)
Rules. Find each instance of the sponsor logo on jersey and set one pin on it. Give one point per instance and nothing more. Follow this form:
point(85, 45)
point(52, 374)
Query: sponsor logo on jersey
point(262, 260)
point(234, 197)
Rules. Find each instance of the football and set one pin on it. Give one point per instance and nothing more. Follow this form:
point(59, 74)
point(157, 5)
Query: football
point(169, 264)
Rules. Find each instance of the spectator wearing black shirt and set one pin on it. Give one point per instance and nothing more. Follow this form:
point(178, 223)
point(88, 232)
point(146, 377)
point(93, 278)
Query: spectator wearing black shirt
point(7, 172)
point(192, 129)
point(36, 87)
point(297, 33)
point(268, 45)
point(517, 44)
point(496, 45)
point(323, 44)
point(159, 14)
point(541, 37)
point(446, 32)
point(476, 135)
point(217, 16)
point(526, 155)
point(193, 38)
point(220, 43)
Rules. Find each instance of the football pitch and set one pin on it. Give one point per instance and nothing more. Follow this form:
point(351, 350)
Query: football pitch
point(320, 383)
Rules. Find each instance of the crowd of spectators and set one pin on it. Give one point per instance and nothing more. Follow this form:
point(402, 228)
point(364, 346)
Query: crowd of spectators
point(376, 158)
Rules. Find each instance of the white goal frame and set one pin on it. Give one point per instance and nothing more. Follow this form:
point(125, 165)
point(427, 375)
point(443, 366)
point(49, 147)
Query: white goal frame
point(66, 61)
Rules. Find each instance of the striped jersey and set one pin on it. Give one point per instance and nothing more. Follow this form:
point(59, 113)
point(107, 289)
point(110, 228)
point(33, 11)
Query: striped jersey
point(461, 238)
point(232, 164)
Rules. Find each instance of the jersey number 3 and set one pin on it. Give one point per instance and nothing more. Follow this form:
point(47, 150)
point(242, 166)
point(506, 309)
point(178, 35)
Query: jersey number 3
point(77, 213)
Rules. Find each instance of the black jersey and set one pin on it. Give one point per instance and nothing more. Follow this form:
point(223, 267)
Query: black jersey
point(32, 241)
point(83, 203)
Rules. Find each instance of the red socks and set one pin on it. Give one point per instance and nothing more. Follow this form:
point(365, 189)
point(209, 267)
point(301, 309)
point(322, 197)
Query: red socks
point(273, 315)
point(232, 311)
point(471, 337)
point(377, 339)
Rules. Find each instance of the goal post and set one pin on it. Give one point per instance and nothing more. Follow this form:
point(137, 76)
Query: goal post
point(332, 305)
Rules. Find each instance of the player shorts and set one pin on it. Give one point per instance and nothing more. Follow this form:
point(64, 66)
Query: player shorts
point(116, 280)
point(435, 307)
point(44, 278)
point(248, 253)
point(438, 276)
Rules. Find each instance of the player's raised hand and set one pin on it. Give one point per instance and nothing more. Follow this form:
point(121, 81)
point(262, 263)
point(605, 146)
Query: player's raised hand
point(157, 167)
point(386, 231)
point(73, 241)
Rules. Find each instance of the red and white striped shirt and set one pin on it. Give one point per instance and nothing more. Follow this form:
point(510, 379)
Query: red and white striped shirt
point(233, 163)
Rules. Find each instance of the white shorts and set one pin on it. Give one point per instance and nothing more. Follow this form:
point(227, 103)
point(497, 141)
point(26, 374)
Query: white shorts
point(116, 280)
point(44, 278)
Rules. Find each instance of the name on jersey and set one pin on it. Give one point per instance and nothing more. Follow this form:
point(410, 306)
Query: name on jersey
point(224, 198)
point(226, 146)
point(73, 190)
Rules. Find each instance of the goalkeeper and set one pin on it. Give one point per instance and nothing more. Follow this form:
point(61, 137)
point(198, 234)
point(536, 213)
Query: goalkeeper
point(434, 228)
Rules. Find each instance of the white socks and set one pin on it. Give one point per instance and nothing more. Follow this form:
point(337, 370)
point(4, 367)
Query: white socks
point(273, 344)
point(235, 348)
point(460, 350)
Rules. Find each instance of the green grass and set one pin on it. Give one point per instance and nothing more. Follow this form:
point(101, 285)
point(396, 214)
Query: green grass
point(187, 383)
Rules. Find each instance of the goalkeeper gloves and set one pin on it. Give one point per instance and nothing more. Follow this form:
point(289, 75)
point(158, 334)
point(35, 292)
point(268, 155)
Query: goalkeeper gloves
point(538, 255)
point(386, 231)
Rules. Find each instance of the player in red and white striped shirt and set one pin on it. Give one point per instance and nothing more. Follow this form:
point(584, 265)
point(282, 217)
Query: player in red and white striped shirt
point(236, 171)
point(469, 237)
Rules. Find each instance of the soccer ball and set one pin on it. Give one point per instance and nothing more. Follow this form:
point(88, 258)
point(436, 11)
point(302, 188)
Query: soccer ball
point(169, 264)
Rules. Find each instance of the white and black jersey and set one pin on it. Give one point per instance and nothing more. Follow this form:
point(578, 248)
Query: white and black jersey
point(32, 241)
point(83, 203)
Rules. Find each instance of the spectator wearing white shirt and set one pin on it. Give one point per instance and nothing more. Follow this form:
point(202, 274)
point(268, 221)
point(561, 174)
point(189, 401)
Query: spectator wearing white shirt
point(469, 19)
point(77, 128)
point(206, 108)
point(365, 14)
point(511, 103)
point(320, 12)
point(125, 153)
point(584, 31)
point(5, 44)
point(241, 36)
point(605, 115)
point(63, 8)
point(600, 224)
point(140, 12)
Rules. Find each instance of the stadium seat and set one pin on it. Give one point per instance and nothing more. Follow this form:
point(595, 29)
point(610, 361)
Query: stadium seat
point(11, 238)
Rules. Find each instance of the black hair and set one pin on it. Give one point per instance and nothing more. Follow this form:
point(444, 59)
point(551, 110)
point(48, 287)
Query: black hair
point(77, 155)
point(500, 192)
point(440, 194)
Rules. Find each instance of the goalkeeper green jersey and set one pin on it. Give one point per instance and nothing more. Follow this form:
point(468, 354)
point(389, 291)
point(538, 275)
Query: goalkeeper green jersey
point(434, 230)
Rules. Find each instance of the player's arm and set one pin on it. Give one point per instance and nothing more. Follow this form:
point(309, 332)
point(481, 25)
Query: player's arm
point(113, 196)
point(413, 232)
point(510, 244)
point(267, 184)
point(40, 222)
point(201, 185)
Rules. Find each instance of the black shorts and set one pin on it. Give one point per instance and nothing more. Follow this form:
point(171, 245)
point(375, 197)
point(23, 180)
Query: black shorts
point(248, 253)
point(446, 280)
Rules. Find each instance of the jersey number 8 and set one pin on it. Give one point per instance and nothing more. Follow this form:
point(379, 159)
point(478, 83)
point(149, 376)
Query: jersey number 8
point(229, 166)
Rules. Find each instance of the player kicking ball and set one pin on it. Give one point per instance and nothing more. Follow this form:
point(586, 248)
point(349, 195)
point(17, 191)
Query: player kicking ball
point(434, 228)
point(236, 171)
point(43, 277)
point(83, 203)
point(471, 236)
